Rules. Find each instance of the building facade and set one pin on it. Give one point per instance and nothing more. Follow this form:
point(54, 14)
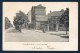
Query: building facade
point(38, 17)
point(53, 20)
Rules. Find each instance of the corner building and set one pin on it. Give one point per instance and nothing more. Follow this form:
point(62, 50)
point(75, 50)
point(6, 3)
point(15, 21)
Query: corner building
point(38, 17)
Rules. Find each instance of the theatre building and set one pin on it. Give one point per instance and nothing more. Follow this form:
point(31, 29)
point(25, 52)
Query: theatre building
point(38, 17)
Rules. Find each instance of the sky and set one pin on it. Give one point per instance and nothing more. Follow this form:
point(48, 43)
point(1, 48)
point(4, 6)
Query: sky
point(11, 8)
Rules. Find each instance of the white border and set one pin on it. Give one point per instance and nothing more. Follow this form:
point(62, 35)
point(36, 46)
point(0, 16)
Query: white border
point(72, 45)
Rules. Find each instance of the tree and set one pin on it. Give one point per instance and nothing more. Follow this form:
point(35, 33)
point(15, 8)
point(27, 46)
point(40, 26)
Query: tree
point(7, 23)
point(64, 19)
point(19, 20)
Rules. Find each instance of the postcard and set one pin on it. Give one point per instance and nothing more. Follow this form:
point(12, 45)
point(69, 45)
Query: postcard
point(40, 26)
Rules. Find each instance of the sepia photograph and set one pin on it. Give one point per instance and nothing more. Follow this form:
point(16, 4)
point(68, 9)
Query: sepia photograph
point(35, 25)
point(39, 22)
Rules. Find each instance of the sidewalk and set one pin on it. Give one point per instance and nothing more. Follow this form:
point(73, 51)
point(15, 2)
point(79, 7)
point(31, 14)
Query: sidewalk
point(59, 33)
point(54, 32)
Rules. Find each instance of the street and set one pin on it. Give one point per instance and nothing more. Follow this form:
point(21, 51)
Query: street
point(12, 35)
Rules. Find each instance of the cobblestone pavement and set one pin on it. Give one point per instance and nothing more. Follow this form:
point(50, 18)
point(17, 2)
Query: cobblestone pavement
point(12, 35)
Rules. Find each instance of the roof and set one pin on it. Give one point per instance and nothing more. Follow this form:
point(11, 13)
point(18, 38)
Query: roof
point(39, 6)
point(55, 13)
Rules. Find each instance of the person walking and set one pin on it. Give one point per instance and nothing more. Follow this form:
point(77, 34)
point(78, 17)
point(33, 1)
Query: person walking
point(43, 29)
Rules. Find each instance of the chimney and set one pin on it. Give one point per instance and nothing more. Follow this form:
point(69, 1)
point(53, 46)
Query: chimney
point(39, 5)
point(62, 10)
point(67, 9)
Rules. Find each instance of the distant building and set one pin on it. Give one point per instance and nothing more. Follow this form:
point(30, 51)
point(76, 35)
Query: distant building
point(7, 23)
point(38, 16)
point(53, 20)
point(29, 16)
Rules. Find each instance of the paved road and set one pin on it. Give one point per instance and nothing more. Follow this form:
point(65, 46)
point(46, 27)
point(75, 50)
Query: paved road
point(13, 35)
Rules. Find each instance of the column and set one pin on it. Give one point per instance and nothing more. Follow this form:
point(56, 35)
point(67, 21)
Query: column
point(57, 25)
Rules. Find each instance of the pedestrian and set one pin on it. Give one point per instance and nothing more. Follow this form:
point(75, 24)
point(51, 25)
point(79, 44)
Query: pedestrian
point(43, 29)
